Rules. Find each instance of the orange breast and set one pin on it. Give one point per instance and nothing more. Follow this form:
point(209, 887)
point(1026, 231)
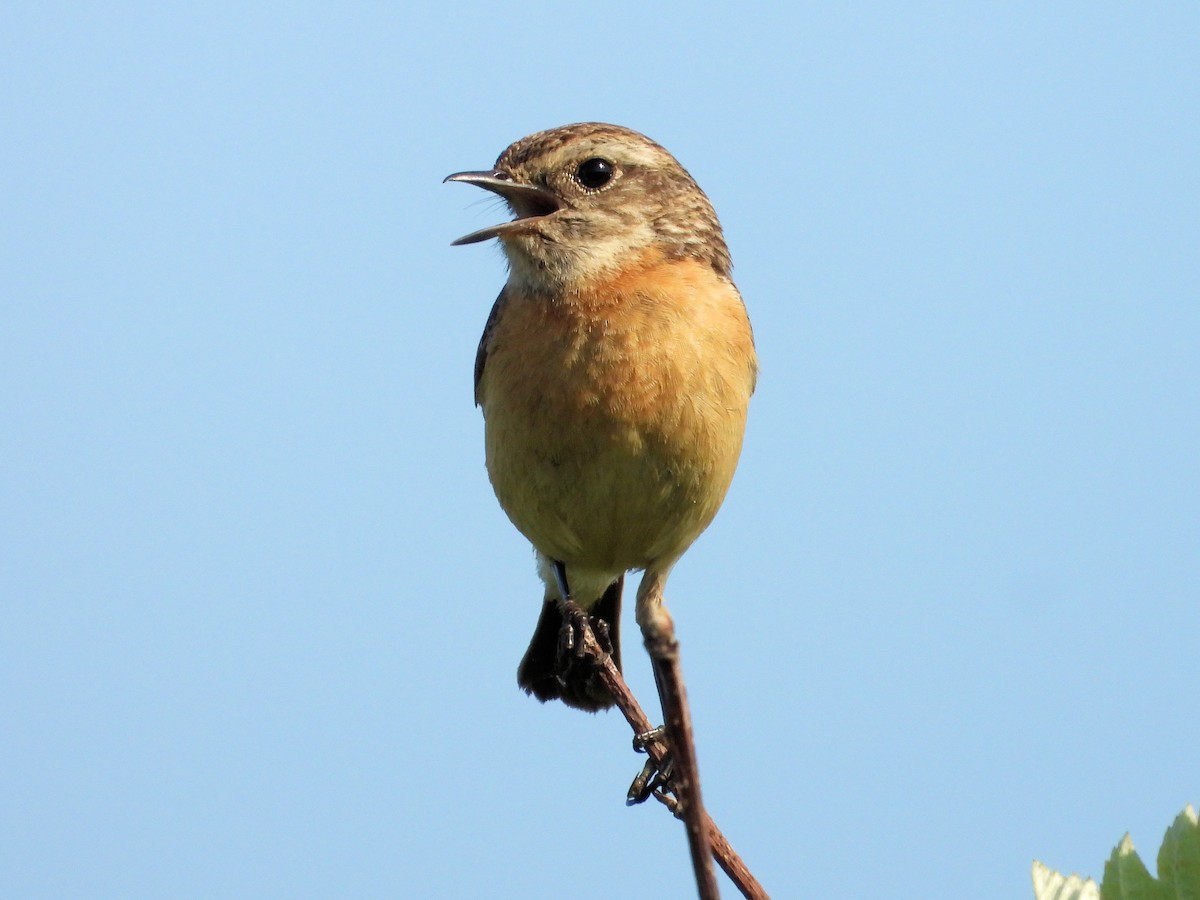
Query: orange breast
point(614, 416)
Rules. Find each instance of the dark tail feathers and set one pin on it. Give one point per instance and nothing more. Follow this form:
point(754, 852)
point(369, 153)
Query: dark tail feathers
point(582, 688)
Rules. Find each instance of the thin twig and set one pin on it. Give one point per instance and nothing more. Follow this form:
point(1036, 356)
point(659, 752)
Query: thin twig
point(727, 858)
point(668, 676)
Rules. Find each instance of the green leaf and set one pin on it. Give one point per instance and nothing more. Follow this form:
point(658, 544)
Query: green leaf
point(1179, 858)
point(1126, 876)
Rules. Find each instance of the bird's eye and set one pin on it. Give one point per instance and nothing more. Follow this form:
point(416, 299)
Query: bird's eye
point(594, 173)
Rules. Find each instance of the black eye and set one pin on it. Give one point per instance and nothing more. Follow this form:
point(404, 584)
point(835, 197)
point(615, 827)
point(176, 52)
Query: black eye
point(594, 173)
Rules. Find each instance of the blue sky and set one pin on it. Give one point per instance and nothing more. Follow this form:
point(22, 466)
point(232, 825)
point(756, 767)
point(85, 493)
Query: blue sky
point(262, 613)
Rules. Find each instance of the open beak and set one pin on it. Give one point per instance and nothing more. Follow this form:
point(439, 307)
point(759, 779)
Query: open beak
point(528, 202)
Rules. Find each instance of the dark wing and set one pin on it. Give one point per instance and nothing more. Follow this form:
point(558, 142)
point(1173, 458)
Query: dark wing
point(481, 353)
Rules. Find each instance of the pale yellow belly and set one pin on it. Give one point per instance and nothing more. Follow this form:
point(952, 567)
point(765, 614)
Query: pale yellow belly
point(611, 443)
point(604, 495)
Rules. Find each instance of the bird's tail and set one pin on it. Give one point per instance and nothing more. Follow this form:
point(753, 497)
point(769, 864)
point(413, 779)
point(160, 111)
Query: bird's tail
point(580, 686)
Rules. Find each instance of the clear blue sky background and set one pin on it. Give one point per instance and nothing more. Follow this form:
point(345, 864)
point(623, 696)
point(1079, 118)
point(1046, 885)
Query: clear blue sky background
point(261, 613)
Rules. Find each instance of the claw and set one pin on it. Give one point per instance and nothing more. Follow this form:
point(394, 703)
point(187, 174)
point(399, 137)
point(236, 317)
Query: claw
point(640, 790)
point(603, 636)
point(572, 658)
point(566, 640)
point(655, 777)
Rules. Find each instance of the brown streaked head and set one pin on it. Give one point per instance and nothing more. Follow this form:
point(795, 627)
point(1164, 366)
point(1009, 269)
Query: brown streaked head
point(591, 196)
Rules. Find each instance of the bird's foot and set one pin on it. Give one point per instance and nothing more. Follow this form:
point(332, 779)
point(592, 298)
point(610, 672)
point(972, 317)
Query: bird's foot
point(574, 663)
point(655, 777)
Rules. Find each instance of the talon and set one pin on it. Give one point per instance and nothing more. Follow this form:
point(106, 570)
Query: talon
point(566, 643)
point(666, 770)
point(640, 790)
point(575, 623)
point(572, 655)
point(578, 660)
point(655, 778)
point(603, 636)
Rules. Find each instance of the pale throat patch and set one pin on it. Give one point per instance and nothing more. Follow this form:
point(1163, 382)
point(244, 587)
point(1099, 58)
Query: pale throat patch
point(561, 265)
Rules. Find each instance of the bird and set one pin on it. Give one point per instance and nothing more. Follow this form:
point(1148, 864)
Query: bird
point(614, 375)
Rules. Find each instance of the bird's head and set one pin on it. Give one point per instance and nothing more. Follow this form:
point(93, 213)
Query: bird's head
point(591, 198)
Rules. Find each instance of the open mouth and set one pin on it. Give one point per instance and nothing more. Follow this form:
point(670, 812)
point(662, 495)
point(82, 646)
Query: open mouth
point(529, 203)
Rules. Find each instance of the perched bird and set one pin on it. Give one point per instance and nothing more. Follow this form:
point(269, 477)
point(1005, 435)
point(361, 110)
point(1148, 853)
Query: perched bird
point(614, 374)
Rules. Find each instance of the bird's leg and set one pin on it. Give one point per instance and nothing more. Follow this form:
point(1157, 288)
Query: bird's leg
point(570, 644)
point(658, 633)
point(560, 578)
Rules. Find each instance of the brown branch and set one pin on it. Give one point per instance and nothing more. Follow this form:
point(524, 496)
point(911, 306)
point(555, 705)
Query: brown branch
point(722, 851)
point(668, 677)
